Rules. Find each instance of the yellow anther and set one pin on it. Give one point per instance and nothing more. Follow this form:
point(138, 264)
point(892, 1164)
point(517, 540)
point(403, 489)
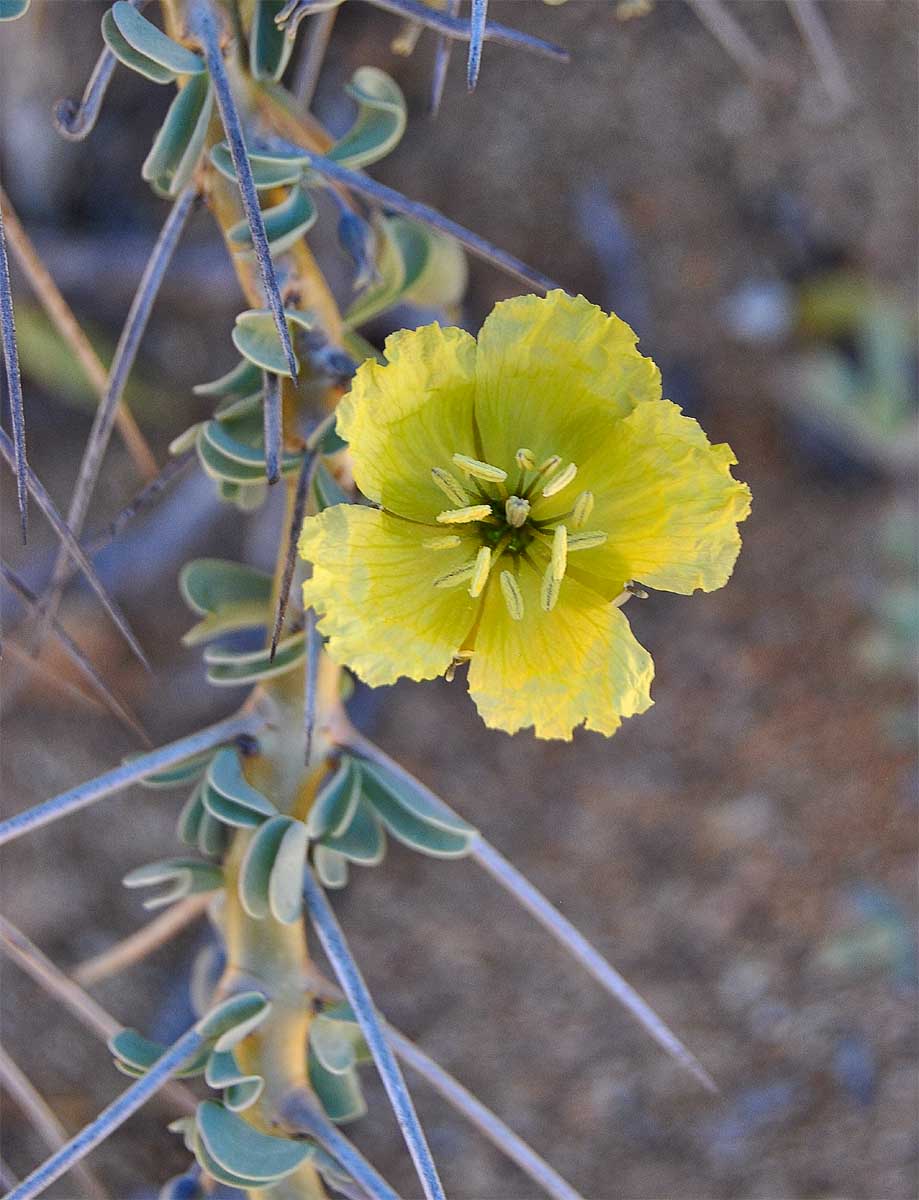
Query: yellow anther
point(583, 507)
point(450, 486)
point(463, 516)
point(560, 481)
point(513, 597)
point(456, 577)
point(442, 543)
point(479, 469)
point(585, 541)
point(516, 510)
point(526, 459)
point(559, 553)
point(548, 592)
point(480, 571)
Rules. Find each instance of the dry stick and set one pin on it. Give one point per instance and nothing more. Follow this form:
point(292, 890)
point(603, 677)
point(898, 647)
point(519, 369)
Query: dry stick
point(453, 27)
point(111, 1117)
point(40, 495)
point(143, 942)
point(76, 656)
point(551, 919)
point(35, 666)
point(15, 945)
point(814, 31)
point(310, 65)
point(726, 29)
point(52, 1132)
point(14, 387)
point(66, 324)
point(441, 63)
point(122, 362)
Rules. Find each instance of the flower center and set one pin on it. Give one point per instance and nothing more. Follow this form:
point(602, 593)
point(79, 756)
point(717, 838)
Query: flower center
point(509, 526)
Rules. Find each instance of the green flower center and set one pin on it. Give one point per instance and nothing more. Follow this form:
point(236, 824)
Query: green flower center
point(509, 526)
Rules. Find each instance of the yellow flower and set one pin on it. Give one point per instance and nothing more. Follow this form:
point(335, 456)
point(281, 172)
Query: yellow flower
point(522, 482)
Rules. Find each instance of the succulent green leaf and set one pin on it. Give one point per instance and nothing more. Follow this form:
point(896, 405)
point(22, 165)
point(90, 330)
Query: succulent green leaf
point(339, 1094)
point(220, 435)
point(226, 669)
point(335, 801)
point(183, 772)
point(11, 9)
point(136, 1054)
point(380, 120)
point(237, 816)
point(225, 470)
point(326, 490)
point(185, 1126)
point(212, 834)
point(225, 775)
point(210, 584)
point(255, 870)
point(229, 620)
point(285, 885)
point(180, 141)
point(219, 1173)
point(269, 45)
point(232, 409)
point(255, 336)
point(243, 1150)
point(363, 841)
point(269, 170)
point(144, 37)
point(390, 283)
point(183, 877)
point(285, 223)
point(240, 1096)
point(333, 1044)
point(223, 1070)
point(436, 271)
point(188, 825)
point(413, 820)
point(331, 867)
point(185, 441)
point(125, 53)
point(243, 380)
point(234, 1019)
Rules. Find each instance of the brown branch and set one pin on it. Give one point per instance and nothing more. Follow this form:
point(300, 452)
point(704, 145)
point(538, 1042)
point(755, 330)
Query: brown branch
point(143, 942)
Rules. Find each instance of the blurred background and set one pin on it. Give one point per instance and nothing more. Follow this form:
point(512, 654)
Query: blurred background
point(745, 853)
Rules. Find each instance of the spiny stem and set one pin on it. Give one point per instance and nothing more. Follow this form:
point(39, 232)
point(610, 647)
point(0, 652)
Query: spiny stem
point(477, 19)
point(17, 1084)
point(143, 942)
point(14, 387)
point(354, 987)
point(453, 27)
point(110, 1118)
point(76, 655)
point(728, 31)
point(91, 1015)
point(125, 353)
point(389, 198)
point(60, 527)
point(301, 1113)
point(271, 408)
point(65, 323)
point(309, 67)
point(205, 27)
point(441, 62)
point(550, 918)
point(130, 772)
point(301, 494)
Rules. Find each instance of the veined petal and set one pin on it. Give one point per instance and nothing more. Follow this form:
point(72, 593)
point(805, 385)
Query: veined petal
point(373, 587)
point(579, 664)
point(667, 501)
point(553, 374)
point(410, 414)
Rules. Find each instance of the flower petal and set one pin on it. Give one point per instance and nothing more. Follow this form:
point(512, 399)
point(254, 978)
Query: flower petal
point(410, 414)
point(373, 578)
point(667, 501)
point(578, 664)
point(552, 374)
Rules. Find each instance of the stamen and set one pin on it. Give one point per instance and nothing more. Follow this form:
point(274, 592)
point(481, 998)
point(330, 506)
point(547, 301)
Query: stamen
point(456, 577)
point(526, 459)
point(464, 516)
point(516, 510)
point(442, 543)
point(559, 553)
point(449, 485)
point(548, 592)
point(560, 481)
point(548, 463)
point(636, 590)
point(479, 469)
point(585, 541)
point(480, 571)
point(583, 507)
point(513, 597)
point(459, 658)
